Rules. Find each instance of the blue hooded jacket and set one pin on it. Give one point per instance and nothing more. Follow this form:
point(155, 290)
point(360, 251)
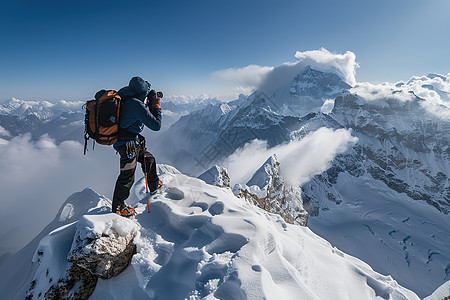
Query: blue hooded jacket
point(133, 112)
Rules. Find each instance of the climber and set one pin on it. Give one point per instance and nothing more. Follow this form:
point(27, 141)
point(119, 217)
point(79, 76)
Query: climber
point(140, 106)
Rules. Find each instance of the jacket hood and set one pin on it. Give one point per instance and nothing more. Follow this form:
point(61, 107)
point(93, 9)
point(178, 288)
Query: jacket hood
point(137, 87)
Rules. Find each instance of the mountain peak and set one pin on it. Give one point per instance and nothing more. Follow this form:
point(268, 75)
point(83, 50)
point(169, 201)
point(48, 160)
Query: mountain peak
point(263, 175)
point(330, 77)
point(267, 189)
point(79, 203)
point(217, 176)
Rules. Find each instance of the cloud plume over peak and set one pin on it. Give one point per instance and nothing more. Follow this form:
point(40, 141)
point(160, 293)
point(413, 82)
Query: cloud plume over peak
point(342, 64)
point(251, 75)
point(270, 78)
point(345, 64)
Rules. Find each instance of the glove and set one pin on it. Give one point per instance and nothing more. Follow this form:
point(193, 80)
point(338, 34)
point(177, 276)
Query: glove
point(154, 99)
point(156, 103)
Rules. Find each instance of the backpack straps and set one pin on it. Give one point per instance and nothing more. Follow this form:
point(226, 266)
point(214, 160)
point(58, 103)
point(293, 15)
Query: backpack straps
point(86, 138)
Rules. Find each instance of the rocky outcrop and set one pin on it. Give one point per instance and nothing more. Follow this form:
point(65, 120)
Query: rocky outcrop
point(268, 190)
point(79, 284)
point(104, 255)
point(72, 258)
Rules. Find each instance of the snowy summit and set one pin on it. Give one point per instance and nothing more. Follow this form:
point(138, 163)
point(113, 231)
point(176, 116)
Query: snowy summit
point(199, 241)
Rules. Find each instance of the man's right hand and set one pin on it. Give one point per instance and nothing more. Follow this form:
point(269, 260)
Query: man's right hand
point(156, 102)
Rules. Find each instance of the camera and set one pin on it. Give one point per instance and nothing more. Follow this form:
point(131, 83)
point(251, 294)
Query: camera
point(152, 95)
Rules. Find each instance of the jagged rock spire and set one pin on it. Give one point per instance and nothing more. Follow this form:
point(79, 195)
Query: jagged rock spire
point(268, 190)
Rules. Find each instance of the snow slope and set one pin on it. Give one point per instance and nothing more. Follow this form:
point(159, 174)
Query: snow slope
point(201, 242)
point(393, 233)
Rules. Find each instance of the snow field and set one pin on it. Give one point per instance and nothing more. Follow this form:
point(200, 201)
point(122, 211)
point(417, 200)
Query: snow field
point(388, 230)
point(201, 242)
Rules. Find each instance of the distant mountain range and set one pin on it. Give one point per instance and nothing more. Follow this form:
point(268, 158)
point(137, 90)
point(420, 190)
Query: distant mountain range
point(64, 120)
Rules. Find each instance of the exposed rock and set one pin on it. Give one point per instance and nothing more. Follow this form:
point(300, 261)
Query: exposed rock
point(105, 253)
point(106, 256)
point(79, 284)
point(73, 257)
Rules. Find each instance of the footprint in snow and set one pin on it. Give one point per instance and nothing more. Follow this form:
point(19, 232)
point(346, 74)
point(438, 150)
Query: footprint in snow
point(202, 205)
point(216, 208)
point(174, 193)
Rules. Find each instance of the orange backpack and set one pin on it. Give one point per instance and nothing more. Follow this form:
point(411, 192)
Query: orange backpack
point(101, 120)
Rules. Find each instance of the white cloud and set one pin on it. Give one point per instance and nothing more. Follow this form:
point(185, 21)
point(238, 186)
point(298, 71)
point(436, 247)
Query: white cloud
point(246, 160)
point(249, 76)
point(63, 104)
point(4, 132)
point(299, 160)
point(37, 177)
point(345, 63)
point(434, 89)
point(375, 92)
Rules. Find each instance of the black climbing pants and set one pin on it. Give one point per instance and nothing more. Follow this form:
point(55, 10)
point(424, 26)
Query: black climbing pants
point(127, 169)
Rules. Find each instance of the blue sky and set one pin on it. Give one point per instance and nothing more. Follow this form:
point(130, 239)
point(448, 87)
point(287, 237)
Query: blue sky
point(53, 50)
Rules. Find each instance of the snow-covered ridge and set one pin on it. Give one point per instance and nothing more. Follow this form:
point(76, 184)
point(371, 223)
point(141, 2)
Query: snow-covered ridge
point(201, 242)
